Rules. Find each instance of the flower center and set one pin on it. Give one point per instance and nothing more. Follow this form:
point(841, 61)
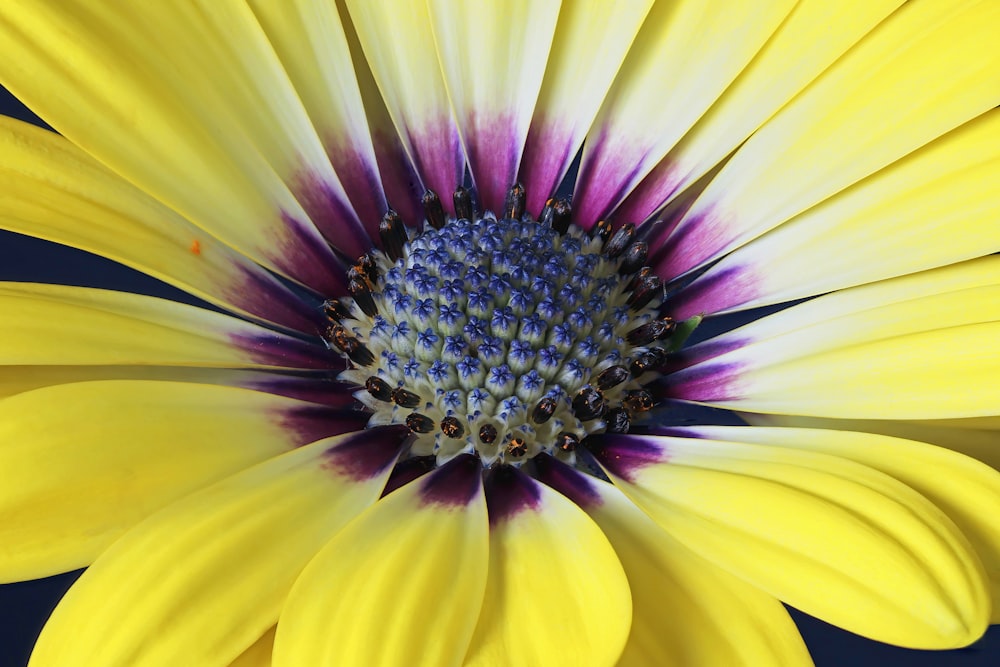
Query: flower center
point(503, 337)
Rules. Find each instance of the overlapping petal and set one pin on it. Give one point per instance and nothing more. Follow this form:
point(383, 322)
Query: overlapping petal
point(880, 559)
point(84, 462)
point(232, 552)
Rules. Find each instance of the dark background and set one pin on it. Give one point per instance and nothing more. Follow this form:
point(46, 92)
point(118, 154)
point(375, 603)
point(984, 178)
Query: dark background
point(25, 606)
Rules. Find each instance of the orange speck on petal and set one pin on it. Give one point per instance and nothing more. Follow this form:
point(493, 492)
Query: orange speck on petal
point(195, 247)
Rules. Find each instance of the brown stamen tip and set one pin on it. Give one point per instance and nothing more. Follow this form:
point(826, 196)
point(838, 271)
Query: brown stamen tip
point(545, 217)
point(544, 410)
point(620, 240)
point(602, 230)
point(650, 331)
point(349, 345)
point(567, 442)
point(404, 398)
point(647, 289)
point(638, 400)
point(419, 423)
point(379, 388)
point(362, 294)
point(367, 265)
point(393, 234)
point(488, 434)
point(517, 447)
point(335, 310)
point(618, 420)
point(611, 377)
point(562, 211)
point(649, 360)
point(433, 209)
point(635, 256)
point(452, 428)
point(463, 204)
point(513, 207)
point(588, 404)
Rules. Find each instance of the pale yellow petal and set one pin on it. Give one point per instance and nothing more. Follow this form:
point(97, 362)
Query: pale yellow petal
point(190, 103)
point(62, 325)
point(493, 104)
point(55, 191)
point(965, 489)
point(556, 592)
point(232, 551)
point(402, 584)
point(258, 655)
point(84, 462)
point(925, 70)
point(685, 55)
point(834, 538)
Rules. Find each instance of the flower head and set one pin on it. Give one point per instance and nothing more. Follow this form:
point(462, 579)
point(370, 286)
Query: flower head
point(436, 415)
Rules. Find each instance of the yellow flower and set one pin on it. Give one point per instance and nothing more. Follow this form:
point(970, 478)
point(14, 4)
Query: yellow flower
point(416, 428)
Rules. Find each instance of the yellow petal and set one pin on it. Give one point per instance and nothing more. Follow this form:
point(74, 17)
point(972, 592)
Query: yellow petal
point(214, 128)
point(232, 551)
point(931, 208)
point(409, 76)
point(258, 655)
point(55, 191)
point(685, 611)
point(84, 462)
point(836, 539)
point(493, 105)
point(813, 36)
point(62, 325)
point(916, 347)
point(309, 39)
point(941, 56)
point(556, 592)
point(965, 489)
point(685, 55)
point(401, 584)
point(588, 48)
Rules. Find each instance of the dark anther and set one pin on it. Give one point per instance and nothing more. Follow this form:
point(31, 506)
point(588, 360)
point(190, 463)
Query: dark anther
point(649, 288)
point(618, 420)
point(362, 295)
point(404, 398)
point(562, 211)
point(650, 331)
point(635, 257)
point(588, 404)
point(393, 234)
point(463, 204)
point(602, 230)
point(611, 377)
point(378, 388)
point(452, 428)
point(433, 210)
point(649, 360)
point(634, 282)
point(513, 208)
point(349, 345)
point(517, 447)
point(419, 423)
point(488, 434)
point(619, 241)
point(638, 400)
point(544, 410)
point(366, 263)
point(336, 310)
point(567, 442)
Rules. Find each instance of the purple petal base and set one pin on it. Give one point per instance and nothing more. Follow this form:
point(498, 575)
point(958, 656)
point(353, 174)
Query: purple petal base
point(305, 256)
point(359, 175)
point(716, 291)
point(455, 484)
point(275, 349)
point(321, 390)
point(309, 423)
point(263, 296)
point(510, 492)
point(607, 174)
point(494, 153)
point(367, 453)
point(332, 214)
point(625, 455)
point(438, 158)
point(547, 155)
point(572, 483)
point(709, 382)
